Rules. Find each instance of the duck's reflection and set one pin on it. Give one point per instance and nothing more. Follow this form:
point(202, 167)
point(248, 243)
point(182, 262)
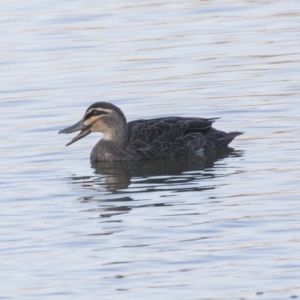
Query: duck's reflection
point(120, 175)
point(115, 184)
point(116, 176)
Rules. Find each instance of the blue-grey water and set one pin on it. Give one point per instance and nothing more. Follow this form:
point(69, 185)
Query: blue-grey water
point(174, 229)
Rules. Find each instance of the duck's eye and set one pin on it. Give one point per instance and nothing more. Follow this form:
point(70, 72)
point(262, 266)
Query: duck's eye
point(95, 113)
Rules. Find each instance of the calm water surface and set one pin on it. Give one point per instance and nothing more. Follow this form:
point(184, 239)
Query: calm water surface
point(174, 229)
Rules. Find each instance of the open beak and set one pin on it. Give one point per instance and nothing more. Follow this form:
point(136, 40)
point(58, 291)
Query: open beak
point(84, 131)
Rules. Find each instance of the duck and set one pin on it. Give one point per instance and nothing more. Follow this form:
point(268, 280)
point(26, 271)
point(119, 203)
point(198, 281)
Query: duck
point(147, 139)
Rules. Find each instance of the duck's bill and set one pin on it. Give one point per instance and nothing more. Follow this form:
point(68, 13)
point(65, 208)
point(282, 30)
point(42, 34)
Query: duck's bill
point(84, 131)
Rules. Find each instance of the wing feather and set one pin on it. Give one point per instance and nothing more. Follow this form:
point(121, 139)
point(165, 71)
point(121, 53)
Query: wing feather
point(173, 136)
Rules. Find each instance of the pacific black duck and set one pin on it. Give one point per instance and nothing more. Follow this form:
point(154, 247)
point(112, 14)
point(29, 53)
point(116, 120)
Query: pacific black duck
point(147, 139)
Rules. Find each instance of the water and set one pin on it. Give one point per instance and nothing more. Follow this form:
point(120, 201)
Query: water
point(181, 229)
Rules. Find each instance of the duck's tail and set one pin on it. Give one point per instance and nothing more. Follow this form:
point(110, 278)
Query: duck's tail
point(227, 139)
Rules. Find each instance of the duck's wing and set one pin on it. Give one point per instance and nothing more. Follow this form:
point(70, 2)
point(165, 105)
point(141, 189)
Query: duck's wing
point(167, 137)
point(149, 130)
point(199, 125)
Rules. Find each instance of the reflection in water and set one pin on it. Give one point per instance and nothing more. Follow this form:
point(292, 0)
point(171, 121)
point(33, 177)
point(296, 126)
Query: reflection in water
point(119, 175)
point(117, 182)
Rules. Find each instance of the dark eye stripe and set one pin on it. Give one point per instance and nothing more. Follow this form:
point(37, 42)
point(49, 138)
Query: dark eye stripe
point(95, 113)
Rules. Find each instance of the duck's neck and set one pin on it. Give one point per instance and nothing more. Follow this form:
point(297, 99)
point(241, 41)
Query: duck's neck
point(116, 135)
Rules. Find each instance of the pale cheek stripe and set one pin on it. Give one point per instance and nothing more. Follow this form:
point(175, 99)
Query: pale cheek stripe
point(89, 121)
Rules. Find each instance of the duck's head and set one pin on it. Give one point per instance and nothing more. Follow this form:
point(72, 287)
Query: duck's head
point(102, 117)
